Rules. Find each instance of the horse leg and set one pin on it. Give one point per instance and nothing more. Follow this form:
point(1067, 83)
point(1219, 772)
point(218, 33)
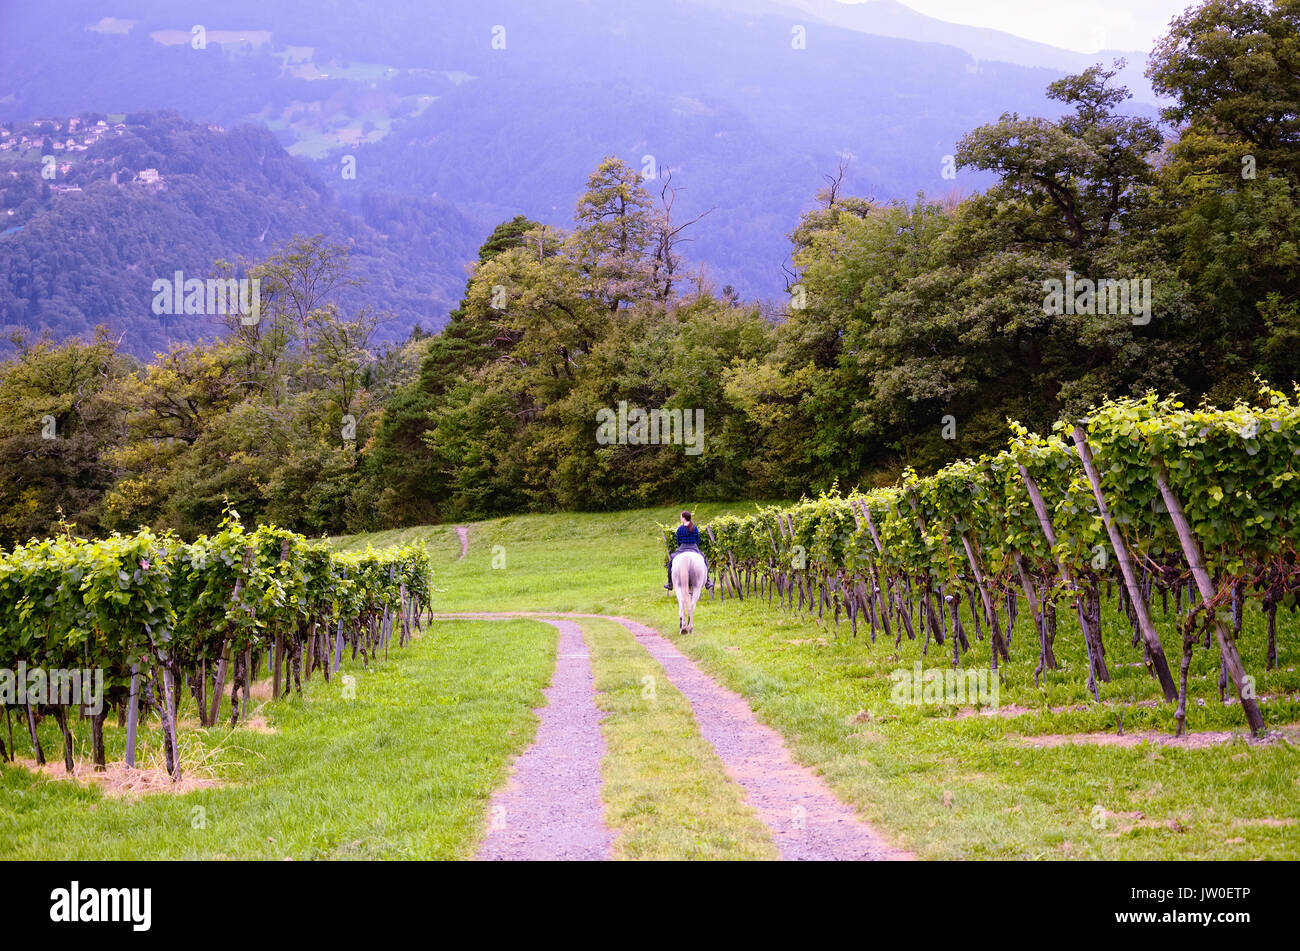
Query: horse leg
point(697, 589)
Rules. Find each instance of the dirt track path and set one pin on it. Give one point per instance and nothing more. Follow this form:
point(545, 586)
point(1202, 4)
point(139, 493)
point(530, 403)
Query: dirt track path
point(551, 806)
point(807, 821)
point(463, 534)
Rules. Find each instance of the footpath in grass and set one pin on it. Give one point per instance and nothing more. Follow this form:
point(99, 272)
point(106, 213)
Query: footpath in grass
point(944, 783)
point(667, 793)
point(403, 770)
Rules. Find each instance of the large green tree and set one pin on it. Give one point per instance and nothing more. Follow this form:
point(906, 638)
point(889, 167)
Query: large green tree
point(1232, 184)
point(57, 422)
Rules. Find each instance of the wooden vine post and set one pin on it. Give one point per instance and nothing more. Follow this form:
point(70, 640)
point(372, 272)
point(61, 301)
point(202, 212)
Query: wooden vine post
point(1046, 659)
point(1155, 650)
point(931, 620)
point(997, 642)
point(338, 634)
point(857, 601)
point(277, 644)
point(166, 704)
point(776, 557)
point(795, 582)
point(223, 665)
point(880, 581)
point(247, 695)
point(132, 716)
point(708, 530)
point(170, 701)
point(1091, 636)
point(1196, 559)
point(387, 624)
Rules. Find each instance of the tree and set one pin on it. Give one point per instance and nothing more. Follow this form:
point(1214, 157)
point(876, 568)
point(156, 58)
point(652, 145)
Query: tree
point(1233, 69)
point(168, 406)
point(1072, 181)
point(615, 235)
point(56, 423)
point(407, 481)
point(1233, 185)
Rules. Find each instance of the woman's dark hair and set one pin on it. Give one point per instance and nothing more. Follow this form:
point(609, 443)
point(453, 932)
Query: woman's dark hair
point(687, 516)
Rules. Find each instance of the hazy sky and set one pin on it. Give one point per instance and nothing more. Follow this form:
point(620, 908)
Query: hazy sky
point(1083, 25)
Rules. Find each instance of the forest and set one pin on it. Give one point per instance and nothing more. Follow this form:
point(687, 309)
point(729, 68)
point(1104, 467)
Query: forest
point(73, 260)
point(912, 331)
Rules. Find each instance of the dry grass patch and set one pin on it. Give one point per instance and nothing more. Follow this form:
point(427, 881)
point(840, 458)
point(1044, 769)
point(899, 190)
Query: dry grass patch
point(1289, 733)
point(117, 780)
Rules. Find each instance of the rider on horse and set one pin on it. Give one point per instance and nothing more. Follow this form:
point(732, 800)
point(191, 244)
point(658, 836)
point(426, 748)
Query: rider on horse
point(688, 539)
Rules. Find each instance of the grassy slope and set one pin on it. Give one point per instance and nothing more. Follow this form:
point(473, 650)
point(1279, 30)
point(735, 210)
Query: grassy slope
point(944, 788)
point(404, 770)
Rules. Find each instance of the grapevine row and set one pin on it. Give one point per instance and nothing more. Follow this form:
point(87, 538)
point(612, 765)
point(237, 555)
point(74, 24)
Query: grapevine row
point(1145, 497)
point(160, 616)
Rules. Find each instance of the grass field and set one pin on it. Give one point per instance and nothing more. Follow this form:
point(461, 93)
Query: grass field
point(405, 770)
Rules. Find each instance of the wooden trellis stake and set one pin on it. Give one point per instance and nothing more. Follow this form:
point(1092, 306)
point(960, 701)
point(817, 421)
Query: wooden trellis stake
point(1196, 560)
point(1046, 659)
point(132, 716)
point(1091, 636)
point(1154, 648)
point(927, 600)
point(878, 579)
point(997, 642)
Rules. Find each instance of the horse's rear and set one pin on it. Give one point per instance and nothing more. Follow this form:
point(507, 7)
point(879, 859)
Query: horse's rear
point(689, 573)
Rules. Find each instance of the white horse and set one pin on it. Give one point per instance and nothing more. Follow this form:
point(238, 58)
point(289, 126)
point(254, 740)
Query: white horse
point(689, 573)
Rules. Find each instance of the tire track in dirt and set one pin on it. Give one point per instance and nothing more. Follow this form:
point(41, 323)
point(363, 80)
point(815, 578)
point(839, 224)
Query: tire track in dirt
point(807, 821)
point(551, 807)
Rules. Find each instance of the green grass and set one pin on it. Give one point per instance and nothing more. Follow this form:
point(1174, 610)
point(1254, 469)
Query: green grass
point(666, 792)
point(971, 788)
point(599, 563)
point(404, 770)
point(943, 787)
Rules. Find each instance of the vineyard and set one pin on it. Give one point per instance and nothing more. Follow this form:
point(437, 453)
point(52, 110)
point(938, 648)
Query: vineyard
point(159, 617)
point(1144, 499)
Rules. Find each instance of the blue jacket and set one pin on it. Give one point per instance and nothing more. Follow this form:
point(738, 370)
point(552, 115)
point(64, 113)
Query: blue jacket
point(688, 535)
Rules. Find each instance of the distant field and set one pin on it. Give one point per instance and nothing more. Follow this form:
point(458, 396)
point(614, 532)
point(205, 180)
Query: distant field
point(178, 37)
